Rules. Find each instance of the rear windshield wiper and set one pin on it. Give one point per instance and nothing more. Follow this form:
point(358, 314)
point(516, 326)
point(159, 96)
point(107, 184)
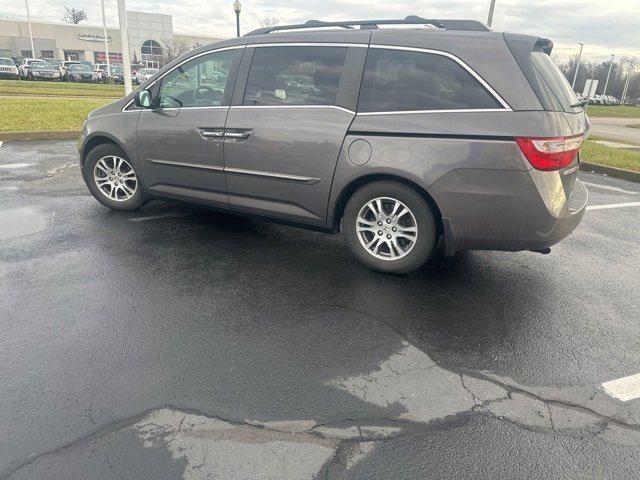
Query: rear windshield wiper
point(581, 103)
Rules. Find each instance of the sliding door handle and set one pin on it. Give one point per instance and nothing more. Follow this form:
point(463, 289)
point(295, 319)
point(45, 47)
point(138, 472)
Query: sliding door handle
point(238, 134)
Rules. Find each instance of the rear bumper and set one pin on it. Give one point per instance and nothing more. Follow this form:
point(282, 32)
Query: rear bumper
point(506, 210)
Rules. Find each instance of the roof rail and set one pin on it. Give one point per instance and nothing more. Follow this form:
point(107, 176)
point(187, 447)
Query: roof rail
point(470, 25)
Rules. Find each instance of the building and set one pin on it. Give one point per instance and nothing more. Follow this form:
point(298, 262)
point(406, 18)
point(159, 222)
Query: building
point(64, 41)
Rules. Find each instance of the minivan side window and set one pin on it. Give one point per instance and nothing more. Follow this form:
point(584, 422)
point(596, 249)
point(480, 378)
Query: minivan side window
point(401, 80)
point(201, 82)
point(294, 75)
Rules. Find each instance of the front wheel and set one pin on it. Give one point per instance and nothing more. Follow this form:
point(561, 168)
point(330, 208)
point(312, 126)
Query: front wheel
point(111, 178)
point(389, 227)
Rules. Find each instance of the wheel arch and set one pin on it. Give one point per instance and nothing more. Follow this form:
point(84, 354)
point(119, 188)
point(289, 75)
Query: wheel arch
point(99, 139)
point(357, 183)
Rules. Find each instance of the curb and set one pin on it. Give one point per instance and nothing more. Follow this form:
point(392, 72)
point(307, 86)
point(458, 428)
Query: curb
point(611, 171)
point(46, 135)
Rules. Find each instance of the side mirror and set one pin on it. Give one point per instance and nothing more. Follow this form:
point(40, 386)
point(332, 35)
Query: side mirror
point(142, 99)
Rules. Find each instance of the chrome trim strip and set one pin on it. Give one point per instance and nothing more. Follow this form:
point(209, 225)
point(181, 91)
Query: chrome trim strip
point(462, 110)
point(188, 165)
point(309, 44)
point(455, 59)
point(281, 176)
point(293, 106)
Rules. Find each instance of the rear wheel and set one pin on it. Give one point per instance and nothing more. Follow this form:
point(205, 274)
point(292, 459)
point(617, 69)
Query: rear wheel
point(389, 227)
point(112, 179)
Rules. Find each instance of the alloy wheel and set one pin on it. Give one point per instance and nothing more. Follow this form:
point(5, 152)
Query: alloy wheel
point(115, 178)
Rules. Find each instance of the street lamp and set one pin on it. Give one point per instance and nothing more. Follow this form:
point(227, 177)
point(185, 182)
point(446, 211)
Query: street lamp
point(575, 75)
point(33, 51)
point(237, 7)
point(604, 92)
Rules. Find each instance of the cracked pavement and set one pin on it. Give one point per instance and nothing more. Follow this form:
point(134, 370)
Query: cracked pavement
point(175, 342)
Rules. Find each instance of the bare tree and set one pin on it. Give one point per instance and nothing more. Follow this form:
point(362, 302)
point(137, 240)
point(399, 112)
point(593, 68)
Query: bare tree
point(71, 15)
point(267, 22)
point(172, 49)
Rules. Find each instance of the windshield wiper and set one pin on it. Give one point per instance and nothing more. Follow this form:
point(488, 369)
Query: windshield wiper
point(581, 103)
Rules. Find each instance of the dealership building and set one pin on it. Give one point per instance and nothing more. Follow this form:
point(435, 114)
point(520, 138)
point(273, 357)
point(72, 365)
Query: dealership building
point(64, 41)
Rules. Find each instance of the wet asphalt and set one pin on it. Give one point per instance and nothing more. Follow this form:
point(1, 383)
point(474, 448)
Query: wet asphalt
point(176, 342)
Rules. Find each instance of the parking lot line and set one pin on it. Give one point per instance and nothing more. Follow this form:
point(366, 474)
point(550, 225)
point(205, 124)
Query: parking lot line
point(625, 388)
point(608, 187)
point(613, 205)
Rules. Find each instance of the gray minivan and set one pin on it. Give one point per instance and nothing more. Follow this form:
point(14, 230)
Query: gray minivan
point(440, 132)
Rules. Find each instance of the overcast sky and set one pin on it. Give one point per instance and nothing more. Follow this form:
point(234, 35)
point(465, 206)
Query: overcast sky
point(604, 26)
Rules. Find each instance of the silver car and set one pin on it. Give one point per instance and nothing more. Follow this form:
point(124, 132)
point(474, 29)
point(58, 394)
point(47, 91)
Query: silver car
point(408, 140)
point(144, 74)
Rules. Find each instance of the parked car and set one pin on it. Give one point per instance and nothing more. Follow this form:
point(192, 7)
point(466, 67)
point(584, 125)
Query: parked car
point(25, 66)
point(8, 69)
point(100, 69)
point(79, 72)
point(135, 67)
point(455, 136)
point(144, 74)
point(43, 71)
point(117, 73)
point(64, 65)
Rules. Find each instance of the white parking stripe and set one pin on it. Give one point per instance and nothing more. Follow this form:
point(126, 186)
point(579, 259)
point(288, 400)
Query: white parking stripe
point(613, 189)
point(613, 205)
point(625, 389)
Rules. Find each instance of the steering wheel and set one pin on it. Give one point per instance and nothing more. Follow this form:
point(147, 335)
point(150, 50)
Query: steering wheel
point(204, 94)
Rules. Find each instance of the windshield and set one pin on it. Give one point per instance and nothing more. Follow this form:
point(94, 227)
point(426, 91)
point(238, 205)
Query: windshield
point(117, 70)
point(79, 68)
point(6, 61)
point(151, 71)
point(41, 65)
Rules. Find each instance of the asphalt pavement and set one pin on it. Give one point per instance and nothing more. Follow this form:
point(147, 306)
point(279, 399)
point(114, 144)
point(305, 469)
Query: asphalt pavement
point(175, 342)
point(622, 129)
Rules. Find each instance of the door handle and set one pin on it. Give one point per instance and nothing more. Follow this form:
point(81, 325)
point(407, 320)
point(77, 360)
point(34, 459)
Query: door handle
point(238, 134)
point(211, 133)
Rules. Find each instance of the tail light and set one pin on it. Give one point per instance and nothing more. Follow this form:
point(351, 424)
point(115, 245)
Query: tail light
point(550, 153)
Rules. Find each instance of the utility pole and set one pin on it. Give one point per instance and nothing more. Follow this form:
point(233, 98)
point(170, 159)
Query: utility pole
point(606, 83)
point(33, 50)
point(492, 6)
point(106, 40)
point(124, 39)
point(575, 75)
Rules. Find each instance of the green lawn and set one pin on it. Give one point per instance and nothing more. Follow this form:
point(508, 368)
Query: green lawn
point(614, 157)
point(23, 114)
point(620, 111)
point(25, 87)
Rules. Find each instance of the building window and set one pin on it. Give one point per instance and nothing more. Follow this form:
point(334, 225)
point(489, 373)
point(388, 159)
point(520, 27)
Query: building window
point(46, 53)
point(151, 47)
point(26, 53)
point(71, 55)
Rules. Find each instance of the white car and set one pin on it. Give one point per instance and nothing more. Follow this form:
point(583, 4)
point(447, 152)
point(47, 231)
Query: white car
point(25, 66)
point(8, 69)
point(144, 74)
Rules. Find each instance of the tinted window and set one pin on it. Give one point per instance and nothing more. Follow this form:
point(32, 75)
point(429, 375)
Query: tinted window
point(399, 80)
point(295, 75)
point(201, 82)
point(552, 84)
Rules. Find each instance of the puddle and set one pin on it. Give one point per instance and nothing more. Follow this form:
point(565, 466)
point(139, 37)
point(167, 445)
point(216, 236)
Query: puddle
point(13, 166)
point(15, 222)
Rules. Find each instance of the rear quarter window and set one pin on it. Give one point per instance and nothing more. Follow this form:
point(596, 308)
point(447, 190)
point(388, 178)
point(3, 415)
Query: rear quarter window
point(401, 80)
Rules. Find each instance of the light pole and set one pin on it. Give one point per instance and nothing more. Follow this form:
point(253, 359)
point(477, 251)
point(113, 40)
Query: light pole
point(124, 39)
point(237, 6)
point(106, 40)
point(606, 83)
point(492, 6)
point(575, 75)
point(33, 50)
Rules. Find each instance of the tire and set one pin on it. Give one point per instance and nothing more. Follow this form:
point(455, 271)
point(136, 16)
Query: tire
point(399, 250)
point(108, 155)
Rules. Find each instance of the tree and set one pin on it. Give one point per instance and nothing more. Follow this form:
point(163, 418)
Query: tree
point(172, 49)
point(71, 15)
point(267, 22)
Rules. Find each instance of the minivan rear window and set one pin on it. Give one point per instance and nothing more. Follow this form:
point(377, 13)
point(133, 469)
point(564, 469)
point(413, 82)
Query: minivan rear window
point(552, 84)
point(401, 80)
